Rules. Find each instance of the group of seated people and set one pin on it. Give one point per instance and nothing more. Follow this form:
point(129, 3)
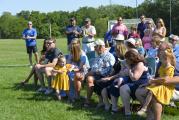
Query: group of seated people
point(110, 75)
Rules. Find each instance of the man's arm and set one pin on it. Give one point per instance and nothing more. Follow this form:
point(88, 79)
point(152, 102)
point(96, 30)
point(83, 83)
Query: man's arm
point(54, 62)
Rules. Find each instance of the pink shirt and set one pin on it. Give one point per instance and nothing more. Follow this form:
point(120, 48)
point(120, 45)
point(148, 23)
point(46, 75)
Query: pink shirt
point(146, 40)
point(120, 29)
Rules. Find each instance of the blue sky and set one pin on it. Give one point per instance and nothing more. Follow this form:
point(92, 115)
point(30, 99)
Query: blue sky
point(15, 6)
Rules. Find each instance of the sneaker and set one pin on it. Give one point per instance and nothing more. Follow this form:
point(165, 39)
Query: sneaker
point(99, 105)
point(48, 91)
point(141, 112)
point(172, 104)
point(42, 89)
point(107, 107)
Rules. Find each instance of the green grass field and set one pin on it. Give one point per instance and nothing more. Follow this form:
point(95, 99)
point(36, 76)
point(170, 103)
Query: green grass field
point(23, 103)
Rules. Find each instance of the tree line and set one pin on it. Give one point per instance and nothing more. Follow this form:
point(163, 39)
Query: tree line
point(11, 26)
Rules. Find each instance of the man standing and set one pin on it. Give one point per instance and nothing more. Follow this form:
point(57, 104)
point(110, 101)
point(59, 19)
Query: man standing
point(119, 29)
point(72, 31)
point(51, 58)
point(141, 26)
point(89, 32)
point(29, 35)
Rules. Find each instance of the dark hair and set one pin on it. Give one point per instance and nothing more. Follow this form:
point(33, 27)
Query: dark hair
point(44, 48)
point(134, 57)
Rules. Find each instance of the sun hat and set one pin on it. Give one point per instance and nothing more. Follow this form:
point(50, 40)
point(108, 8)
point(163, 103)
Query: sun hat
point(119, 37)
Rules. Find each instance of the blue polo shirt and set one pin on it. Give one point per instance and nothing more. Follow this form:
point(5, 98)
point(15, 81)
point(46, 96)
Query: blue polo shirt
point(176, 52)
point(71, 36)
point(31, 33)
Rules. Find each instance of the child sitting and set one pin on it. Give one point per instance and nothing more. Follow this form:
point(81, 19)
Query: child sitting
point(160, 92)
point(153, 50)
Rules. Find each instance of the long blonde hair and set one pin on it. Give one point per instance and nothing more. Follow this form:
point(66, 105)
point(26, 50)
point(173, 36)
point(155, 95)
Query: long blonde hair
point(121, 48)
point(75, 50)
point(161, 21)
point(170, 55)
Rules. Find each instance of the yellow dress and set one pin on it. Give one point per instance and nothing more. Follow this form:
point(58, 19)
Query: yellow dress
point(163, 93)
point(61, 81)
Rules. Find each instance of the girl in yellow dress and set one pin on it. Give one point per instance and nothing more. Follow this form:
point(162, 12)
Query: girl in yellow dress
point(61, 79)
point(162, 93)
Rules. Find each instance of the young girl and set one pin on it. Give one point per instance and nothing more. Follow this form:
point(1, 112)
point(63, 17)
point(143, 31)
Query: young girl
point(153, 50)
point(61, 80)
point(146, 40)
point(156, 90)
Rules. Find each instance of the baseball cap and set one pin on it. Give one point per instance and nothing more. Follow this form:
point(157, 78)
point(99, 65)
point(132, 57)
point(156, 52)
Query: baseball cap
point(72, 19)
point(174, 37)
point(30, 22)
point(131, 40)
point(87, 19)
point(99, 42)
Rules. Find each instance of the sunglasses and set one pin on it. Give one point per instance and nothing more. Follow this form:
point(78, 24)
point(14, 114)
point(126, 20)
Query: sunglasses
point(119, 20)
point(49, 43)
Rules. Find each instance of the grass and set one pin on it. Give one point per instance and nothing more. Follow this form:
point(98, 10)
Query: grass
point(23, 103)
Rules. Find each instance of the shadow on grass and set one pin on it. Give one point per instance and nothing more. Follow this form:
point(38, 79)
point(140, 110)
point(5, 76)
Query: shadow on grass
point(100, 114)
point(26, 87)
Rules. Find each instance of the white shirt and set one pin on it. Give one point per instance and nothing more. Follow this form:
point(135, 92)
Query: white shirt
point(86, 31)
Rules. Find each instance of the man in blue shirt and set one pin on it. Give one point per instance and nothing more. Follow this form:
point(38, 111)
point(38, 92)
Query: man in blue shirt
point(29, 35)
point(141, 26)
point(72, 31)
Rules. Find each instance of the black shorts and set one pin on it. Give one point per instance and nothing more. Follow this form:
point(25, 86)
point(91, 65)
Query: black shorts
point(31, 49)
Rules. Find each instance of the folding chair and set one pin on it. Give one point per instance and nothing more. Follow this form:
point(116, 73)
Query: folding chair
point(151, 63)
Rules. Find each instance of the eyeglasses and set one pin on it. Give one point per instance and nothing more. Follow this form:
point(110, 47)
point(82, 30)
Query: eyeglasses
point(49, 43)
point(119, 20)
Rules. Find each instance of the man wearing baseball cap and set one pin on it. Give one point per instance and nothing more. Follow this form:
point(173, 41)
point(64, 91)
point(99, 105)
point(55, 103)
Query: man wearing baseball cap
point(102, 66)
point(29, 35)
point(72, 30)
point(89, 32)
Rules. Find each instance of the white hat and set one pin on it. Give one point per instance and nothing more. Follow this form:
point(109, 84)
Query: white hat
point(30, 22)
point(99, 42)
point(119, 37)
point(131, 40)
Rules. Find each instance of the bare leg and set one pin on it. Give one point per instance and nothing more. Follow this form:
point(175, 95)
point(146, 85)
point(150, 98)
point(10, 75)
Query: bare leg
point(30, 58)
point(58, 94)
point(78, 79)
point(157, 107)
point(141, 94)
point(148, 100)
point(32, 72)
point(40, 76)
point(36, 57)
point(90, 86)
